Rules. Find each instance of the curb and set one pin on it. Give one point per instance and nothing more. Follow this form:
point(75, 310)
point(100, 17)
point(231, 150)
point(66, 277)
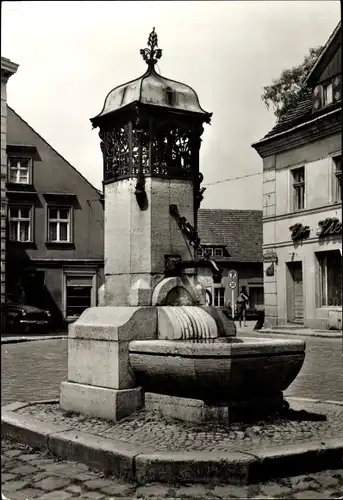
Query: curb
point(142, 465)
point(323, 335)
point(17, 340)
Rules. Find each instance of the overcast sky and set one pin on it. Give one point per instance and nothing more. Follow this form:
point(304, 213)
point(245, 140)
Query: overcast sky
point(71, 54)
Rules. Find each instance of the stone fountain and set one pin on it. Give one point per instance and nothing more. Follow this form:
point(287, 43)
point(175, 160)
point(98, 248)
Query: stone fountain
point(153, 343)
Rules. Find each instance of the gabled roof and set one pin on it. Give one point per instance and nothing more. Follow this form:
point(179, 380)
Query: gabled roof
point(22, 137)
point(239, 230)
point(303, 111)
point(330, 47)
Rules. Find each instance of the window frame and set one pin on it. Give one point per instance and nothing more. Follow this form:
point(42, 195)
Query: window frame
point(70, 231)
point(220, 250)
point(29, 169)
point(322, 287)
point(77, 273)
point(215, 296)
point(336, 179)
point(295, 185)
point(209, 251)
point(30, 219)
point(324, 87)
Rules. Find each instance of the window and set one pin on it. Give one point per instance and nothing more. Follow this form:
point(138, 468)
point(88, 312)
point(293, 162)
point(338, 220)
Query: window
point(209, 252)
point(20, 223)
point(219, 294)
point(337, 191)
point(59, 225)
point(298, 188)
point(327, 94)
point(218, 252)
point(19, 170)
point(330, 278)
point(199, 253)
point(78, 295)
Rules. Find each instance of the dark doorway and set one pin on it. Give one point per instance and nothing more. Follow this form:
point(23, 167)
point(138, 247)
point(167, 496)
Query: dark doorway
point(295, 296)
point(33, 286)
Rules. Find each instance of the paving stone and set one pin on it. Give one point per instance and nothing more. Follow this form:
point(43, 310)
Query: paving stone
point(97, 484)
point(15, 485)
point(53, 466)
point(53, 483)
point(7, 476)
point(119, 489)
point(26, 494)
point(56, 495)
point(230, 491)
point(74, 488)
point(41, 461)
point(12, 453)
point(273, 488)
point(40, 475)
point(327, 479)
point(93, 495)
point(29, 457)
point(85, 476)
point(24, 469)
point(309, 494)
point(193, 491)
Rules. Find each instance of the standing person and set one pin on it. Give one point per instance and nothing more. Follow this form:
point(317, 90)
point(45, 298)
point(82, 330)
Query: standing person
point(242, 301)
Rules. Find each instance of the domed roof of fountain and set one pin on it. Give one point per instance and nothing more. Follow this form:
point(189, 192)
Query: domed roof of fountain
point(153, 89)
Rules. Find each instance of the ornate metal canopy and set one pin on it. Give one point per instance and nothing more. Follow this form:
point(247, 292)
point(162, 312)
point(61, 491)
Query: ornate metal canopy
point(151, 126)
point(152, 89)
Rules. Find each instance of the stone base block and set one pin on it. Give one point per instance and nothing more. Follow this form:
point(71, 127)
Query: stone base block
point(197, 411)
point(110, 404)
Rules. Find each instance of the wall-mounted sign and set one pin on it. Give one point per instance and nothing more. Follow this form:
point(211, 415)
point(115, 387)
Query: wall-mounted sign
point(299, 232)
point(329, 227)
point(270, 270)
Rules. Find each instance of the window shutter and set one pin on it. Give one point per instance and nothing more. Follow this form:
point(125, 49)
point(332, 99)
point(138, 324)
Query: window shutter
point(317, 98)
point(336, 88)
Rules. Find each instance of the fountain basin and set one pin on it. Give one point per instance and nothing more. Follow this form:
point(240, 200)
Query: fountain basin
point(240, 369)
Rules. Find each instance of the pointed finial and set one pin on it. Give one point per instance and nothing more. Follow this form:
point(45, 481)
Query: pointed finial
point(151, 54)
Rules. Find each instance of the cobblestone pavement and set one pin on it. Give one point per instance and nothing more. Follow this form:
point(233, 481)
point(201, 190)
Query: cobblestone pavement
point(28, 474)
point(321, 376)
point(34, 370)
point(156, 433)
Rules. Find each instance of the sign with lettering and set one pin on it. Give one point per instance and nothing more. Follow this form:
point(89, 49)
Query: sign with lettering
point(270, 270)
point(329, 227)
point(299, 232)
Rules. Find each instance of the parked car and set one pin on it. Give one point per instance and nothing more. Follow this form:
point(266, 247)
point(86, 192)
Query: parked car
point(23, 318)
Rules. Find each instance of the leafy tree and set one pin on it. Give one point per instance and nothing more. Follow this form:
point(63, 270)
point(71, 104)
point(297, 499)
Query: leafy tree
point(287, 90)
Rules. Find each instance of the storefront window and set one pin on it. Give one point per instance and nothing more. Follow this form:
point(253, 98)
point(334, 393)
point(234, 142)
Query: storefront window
point(219, 294)
point(330, 278)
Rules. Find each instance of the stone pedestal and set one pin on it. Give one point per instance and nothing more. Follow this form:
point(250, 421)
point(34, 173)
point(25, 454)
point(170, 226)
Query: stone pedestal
point(100, 381)
point(200, 412)
point(110, 404)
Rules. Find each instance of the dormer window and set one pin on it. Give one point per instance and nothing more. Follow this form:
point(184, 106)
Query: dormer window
point(19, 170)
point(170, 96)
point(327, 94)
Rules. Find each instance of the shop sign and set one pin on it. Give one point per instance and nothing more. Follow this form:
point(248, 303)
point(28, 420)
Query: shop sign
point(299, 232)
point(329, 227)
point(270, 270)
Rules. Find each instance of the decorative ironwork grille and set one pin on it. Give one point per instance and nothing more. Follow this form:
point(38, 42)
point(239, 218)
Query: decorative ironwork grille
point(172, 152)
point(115, 149)
point(140, 151)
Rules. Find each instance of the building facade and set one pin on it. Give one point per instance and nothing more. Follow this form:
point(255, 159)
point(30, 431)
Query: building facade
point(302, 208)
point(54, 254)
point(234, 239)
point(8, 68)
